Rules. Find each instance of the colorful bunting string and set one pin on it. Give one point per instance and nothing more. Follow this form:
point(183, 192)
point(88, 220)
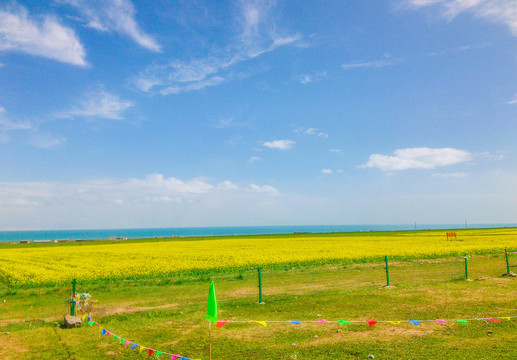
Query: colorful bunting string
point(371, 323)
point(134, 346)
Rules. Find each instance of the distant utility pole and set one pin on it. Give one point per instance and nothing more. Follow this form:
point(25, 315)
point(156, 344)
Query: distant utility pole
point(415, 225)
point(465, 223)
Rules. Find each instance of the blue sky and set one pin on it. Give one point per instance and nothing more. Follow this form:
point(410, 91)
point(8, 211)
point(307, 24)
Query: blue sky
point(120, 113)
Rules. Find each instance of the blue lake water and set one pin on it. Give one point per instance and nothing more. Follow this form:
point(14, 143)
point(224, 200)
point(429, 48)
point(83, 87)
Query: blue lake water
point(14, 236)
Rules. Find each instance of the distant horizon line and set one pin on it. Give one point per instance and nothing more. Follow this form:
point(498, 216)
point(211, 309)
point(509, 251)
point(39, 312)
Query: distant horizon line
point(261, 226)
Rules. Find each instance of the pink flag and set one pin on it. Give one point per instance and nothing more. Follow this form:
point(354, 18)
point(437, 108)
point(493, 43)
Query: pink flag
point(127, 343)
point(441, 321)
point(174, 357)
point(320, 321)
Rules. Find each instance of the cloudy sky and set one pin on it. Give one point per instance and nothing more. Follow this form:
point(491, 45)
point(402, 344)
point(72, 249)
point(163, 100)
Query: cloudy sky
point(119, 113)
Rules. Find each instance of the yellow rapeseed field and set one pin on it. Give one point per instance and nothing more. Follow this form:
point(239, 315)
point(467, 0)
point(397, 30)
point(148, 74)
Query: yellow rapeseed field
point(57, 264)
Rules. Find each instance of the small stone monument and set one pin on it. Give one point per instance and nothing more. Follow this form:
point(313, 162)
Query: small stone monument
point(72, 321)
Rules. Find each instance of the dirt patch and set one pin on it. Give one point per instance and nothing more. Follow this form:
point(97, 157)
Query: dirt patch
point(128, 309)
point(9, 349)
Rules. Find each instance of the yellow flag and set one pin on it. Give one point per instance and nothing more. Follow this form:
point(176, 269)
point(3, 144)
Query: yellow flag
point(142, 349)
point(84, 317)
point(395, 322)
point(506, 318)
point(263, 323)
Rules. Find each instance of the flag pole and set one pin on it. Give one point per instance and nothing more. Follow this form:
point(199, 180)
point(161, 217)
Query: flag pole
point(211, 314)
point(210, 338)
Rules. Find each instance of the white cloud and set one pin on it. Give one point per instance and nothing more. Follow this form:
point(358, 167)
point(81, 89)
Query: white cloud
point(154, 200)
point(310, 78)
point(198, 85)
point(336, 150)
point(497, 11)
point(267, 189)
point(279, 144)
point(418, 158)
point(44, 37)
point(311, 131)
point(326, 171)
point(490, 156)
point(513, 101)
point(254, 159)
point(376, 64)
point(227, 185)
point(257, 36)
point(99, 104)
point(114, 15)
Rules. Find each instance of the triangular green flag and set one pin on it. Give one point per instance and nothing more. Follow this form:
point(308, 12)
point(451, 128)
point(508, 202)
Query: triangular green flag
point(462, 321)
point(211, 309)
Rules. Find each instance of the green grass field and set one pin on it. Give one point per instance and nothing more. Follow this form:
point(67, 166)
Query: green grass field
point(167, 314)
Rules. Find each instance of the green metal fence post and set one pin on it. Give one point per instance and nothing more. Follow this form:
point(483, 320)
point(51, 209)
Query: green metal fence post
point(260, 285)
point(72, 310)
point(387, 271)
point(466, 269)
point(507, 262)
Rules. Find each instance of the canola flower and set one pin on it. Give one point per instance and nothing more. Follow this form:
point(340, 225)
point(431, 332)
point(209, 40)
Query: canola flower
point(57, 264)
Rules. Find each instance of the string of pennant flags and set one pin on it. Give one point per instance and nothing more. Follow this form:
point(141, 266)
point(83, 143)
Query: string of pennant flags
point(126, 343)
point(212, 317)
point(371, 323)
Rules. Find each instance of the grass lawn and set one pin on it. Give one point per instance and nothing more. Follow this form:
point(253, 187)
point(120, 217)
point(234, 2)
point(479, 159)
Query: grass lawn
point(167, 314)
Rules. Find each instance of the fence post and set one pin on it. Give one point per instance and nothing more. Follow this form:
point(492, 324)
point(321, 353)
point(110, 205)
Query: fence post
point(260, 285)
point(507, 262)
point(387, 271)
point(72, 310)
point(466, 269)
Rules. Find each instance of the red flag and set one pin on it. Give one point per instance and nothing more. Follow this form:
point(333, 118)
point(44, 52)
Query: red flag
point(150, 351)
point(220, 324)
point(371, 322)
point(495, 320)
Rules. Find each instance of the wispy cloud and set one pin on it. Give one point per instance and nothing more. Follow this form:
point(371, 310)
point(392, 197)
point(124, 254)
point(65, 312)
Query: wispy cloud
point(7, 124)
point(311, 132)
point(279, 144)
point(311, 78)
point(375, 64)
point(258, 35)
point(458, 49)
point(43, 36)
point(450, 175)
point(45, 140)
point(497, 11)
point(194, 86)
point(98, 104)
point(491, 156)
point(418, 158)
point(114, 15)
point(254, 159)
point(119, 200)
point(327, 171)
point(513, 101)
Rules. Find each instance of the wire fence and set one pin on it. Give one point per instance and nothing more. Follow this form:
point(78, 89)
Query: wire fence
point(265, 283)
